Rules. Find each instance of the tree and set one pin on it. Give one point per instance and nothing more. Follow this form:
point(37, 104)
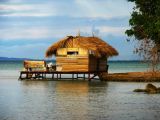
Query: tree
point(145, 27)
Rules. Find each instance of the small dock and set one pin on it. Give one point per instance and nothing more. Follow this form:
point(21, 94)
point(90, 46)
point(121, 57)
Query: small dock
point(58, 75)
point(132, 77)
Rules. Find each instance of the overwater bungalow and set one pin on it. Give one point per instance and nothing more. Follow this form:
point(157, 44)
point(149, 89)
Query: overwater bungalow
point(74, 55)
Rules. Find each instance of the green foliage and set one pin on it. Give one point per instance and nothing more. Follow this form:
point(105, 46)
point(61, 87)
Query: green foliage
point(145, 20)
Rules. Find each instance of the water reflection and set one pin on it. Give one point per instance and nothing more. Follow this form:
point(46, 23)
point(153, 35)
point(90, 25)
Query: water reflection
point(68, 99)
point(71, 99)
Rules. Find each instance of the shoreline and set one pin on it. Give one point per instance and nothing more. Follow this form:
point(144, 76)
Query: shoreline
point(132, 77)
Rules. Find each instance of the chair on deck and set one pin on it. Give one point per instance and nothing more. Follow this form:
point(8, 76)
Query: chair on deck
point(35, 66)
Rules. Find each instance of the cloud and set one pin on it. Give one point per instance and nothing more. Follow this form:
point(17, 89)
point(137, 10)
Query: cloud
point(30, 33)
point(107, 30)
point(78, 8)
point(39, 32)
point(6, 7)
point(104, 8)
point(32, 10)
point(44, 32)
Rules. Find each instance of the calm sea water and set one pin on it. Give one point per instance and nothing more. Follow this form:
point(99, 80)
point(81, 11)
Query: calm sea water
point(75, 99)
point(114, 67)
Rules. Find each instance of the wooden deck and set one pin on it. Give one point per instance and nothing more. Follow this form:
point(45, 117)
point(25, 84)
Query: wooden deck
point(56, 75)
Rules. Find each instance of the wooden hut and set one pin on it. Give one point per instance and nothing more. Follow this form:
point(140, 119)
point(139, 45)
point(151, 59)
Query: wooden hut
point(88, 54)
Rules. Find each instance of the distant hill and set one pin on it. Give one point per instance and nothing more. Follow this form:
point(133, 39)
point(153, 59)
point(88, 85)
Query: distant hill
point(20, 59)
point(7, 58)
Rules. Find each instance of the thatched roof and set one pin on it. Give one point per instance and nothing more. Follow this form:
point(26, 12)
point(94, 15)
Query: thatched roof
point(95, 44)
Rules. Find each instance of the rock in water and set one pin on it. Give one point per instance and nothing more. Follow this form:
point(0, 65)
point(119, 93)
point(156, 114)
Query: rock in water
point(150, 88)
point(139, 90)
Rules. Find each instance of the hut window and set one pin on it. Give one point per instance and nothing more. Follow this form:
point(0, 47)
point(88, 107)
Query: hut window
point(72, 53)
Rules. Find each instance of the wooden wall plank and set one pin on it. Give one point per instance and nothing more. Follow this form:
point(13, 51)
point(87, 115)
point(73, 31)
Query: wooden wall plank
point(73, 63)
point(81, 63)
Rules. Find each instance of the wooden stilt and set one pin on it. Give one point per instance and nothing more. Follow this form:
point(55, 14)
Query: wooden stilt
point(72, 76)
point(53, 76)
point(60, 75)
point(42, 76)
point(89, 77)
point(57, 76)
point(77, 76)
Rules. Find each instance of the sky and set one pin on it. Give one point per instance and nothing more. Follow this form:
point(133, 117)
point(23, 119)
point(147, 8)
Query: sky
point(29, 27)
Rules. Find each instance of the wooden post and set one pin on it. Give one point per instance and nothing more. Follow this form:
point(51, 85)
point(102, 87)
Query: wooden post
point(89, 77)
point(77, 76)
point(57, 76)
point(72, 76)
point(45, 75)
point(60, 76)
point(53, 76)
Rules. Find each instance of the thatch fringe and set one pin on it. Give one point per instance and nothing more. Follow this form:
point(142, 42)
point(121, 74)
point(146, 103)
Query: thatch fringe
point(95, 44)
